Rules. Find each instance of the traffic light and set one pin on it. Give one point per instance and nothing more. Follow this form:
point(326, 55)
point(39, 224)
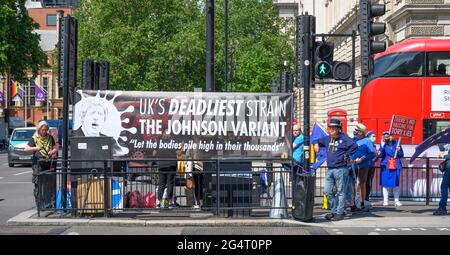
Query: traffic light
point(88, 74)
point(103, 75)
point(368, 29)
point(324, 60)
point(285, 82)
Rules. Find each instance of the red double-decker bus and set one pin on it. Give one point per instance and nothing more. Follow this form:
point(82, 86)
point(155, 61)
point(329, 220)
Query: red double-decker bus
point(411, 79)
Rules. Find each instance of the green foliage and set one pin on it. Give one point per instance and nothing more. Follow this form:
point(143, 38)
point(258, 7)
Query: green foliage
point(19, 45)
point(160, 45)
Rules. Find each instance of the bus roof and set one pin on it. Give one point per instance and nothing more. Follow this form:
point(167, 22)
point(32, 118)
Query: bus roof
point(418, 44)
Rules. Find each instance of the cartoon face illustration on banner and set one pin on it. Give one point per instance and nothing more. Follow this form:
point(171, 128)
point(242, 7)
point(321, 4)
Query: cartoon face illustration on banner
point(97, 116)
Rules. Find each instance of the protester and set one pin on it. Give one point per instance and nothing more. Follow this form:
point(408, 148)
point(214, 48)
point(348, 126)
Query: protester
point(167, 171)
point(194, 177)
point(44, 148)
point(445, 184)
point(362, 160)
point(372, 136)
point(297, 147)
point(340, 148)
point(390, 178)
point(351, 195)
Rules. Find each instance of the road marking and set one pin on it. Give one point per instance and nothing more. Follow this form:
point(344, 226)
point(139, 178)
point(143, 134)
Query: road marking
point(23, 173)
point(2, 178)
point(73, 234)
point(373, 234)
point(15, 183)
point(340, 233)
point(335, 230)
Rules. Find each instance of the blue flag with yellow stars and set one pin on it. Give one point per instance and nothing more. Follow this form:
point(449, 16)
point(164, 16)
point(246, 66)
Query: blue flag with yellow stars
point(321, 156)
point(441, 137)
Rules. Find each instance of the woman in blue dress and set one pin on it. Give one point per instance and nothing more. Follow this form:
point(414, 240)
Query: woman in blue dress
point(390, 178)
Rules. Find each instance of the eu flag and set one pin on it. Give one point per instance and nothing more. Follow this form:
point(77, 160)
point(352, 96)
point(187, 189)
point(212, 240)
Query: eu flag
point(441, 137)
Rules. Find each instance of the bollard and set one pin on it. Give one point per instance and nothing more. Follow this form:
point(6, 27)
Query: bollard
point(279, 210)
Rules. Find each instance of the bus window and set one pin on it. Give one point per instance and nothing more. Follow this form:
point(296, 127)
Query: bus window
point(439, 63)
point(402, 64)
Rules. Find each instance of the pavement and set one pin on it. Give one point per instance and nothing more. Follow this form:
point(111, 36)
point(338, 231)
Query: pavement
point(408, 216)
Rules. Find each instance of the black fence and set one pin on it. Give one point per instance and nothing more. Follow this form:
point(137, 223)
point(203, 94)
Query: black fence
point(115, 188)
point(221, 187)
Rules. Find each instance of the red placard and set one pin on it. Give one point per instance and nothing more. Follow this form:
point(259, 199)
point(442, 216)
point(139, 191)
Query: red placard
point(402, 126)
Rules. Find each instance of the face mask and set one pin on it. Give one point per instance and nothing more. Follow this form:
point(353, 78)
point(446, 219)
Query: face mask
point(373, 139)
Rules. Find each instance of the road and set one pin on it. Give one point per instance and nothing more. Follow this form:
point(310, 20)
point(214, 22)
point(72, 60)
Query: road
point(16, 189)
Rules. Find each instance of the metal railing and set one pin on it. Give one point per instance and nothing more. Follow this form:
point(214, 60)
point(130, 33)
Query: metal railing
point(228, 188)
point(419, 181)
point(223, 187)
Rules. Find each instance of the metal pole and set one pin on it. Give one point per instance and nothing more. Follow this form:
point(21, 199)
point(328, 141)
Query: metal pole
point(210, 87)
point(353, 58)
point(217, 186)
point(306, 37)
point(105, 189)
point(48, 117)
point(25, 91)
point(226, 44)
point(65, 84)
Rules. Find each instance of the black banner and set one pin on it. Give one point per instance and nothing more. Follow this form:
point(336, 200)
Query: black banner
point(203, 125)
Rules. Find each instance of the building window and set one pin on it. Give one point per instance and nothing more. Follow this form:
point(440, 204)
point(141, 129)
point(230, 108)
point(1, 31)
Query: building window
point(45, 88)
point(51, 19)
point(439, 64)
point(31, 95)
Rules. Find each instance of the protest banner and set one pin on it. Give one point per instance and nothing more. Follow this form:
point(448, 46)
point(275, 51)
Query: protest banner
point(209, 125)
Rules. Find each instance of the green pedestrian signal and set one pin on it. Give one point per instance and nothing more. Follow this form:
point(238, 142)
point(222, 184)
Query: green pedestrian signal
point(323, 60)
point(323, 69)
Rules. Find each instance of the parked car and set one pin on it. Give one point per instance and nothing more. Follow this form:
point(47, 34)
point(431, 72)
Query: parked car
point(17, 142)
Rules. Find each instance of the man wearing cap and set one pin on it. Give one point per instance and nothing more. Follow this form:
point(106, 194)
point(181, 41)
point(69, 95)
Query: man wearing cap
point(340, 148)
point(362, 160)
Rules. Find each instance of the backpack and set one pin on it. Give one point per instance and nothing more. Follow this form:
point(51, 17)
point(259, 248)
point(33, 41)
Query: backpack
point(150, 200)
point(134, 200)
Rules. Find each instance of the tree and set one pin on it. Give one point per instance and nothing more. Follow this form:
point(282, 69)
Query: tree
point(19, 45)
point(160, 45)
point(259, 43)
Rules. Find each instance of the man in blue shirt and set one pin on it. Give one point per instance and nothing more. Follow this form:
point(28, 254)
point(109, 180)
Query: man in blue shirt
point(297, 147)
point(340, 148)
